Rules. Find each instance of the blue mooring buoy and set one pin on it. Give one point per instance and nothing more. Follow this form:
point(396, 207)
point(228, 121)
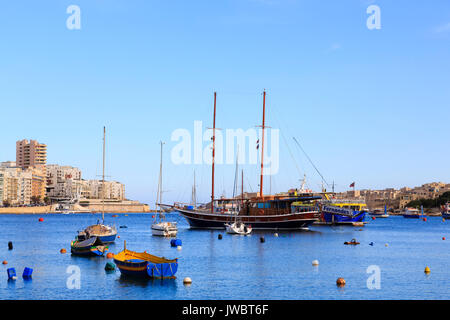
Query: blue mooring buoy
point(27, 272)
point(11, 273)
point(175, 242)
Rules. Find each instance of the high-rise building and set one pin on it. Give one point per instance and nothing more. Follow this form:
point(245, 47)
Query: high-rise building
point(30, 154)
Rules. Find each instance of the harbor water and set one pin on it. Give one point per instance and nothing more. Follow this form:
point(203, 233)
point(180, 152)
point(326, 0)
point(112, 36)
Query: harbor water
point(235, 267)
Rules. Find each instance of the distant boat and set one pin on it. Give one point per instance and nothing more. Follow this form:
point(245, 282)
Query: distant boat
point(161, 227)
point(379, 214)
point(446, 210)
point(105, 233)
point(413, 213)
point(89, 247)
point(142, 264)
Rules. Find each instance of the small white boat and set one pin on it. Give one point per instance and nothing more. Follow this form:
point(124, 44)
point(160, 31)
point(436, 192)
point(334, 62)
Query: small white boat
point(238, 228)
point(161, 227)
point(165, 229)
point(380, 214)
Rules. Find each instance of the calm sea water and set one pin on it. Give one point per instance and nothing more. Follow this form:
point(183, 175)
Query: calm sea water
point(236, 267)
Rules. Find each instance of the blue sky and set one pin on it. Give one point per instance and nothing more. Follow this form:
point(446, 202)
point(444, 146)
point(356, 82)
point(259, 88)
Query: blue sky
point(370, 106)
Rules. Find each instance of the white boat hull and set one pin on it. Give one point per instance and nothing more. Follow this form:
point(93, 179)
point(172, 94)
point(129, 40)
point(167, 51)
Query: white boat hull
point(238, 228)
point(164, 229)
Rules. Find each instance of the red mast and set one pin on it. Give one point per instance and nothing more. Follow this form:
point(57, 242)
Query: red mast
point(213, 154)
point(262, 147)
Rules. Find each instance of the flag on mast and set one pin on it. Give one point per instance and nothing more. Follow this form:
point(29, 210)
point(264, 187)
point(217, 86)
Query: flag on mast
point(352, 185)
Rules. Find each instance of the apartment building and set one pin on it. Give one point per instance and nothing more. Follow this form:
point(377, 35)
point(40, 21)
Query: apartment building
point(30, 154)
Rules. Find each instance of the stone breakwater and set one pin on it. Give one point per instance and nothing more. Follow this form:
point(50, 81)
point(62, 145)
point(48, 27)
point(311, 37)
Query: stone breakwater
point(117, 207)
point(26, 210)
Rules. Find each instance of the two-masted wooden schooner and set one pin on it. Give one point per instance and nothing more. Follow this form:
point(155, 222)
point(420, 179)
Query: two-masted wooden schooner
point(280, 212)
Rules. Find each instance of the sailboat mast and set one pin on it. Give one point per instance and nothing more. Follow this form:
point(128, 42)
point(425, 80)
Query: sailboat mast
point(262, 147)
point(160, 181)
point(213, 154)
point(242, 189)
point(103, 176)
point(194, 193)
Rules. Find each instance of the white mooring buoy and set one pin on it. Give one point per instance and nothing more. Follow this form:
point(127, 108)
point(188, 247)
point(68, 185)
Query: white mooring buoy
point(187, 280)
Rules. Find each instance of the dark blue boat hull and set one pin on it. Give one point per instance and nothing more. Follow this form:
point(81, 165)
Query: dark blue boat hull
point(358, 216)
point(107, 239)
point(413, 216)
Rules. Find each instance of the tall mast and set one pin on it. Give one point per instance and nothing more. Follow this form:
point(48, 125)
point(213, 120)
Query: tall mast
point(103, 176)
point(213, 154)
point(194, 193)
point(242, 189)
point(262, 147)
point(160, 180)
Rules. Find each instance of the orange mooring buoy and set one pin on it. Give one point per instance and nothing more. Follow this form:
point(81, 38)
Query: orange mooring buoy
point(340, 282)
point(62, 250)
point(443, 238)
point(110, 255)
point(118, 237)
point(41, 219)
point(424, 219)
point(373, 218)
point(5, 262)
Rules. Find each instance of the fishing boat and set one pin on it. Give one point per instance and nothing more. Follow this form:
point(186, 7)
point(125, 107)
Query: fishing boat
point(160, 226)
point(446, 210)
point(142, 264)
point(380, 214)
point(342, 211)
point(413, 213)
point(261, 212)
point(105, 233)
point(92, 246)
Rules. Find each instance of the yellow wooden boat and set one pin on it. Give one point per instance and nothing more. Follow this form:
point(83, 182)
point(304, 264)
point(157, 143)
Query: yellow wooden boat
point(143, 264)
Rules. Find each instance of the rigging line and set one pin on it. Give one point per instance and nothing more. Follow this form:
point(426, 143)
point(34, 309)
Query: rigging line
point(323, 179)
point(287, 145)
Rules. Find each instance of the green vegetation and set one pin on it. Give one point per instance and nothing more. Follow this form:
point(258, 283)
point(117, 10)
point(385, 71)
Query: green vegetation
point(430, 203)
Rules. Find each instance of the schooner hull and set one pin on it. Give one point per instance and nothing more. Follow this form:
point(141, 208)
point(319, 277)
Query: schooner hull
point(278, 222)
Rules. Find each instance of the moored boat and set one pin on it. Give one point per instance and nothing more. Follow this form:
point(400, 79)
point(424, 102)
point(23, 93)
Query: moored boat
point(413, 213)
point(268, 212)
point(105, 233)
point(261, 212)
point(145, 265)
point(89, 247)
point(342, 211)
point(238, 227)
point(379, 213)
point(164, 229)
point(160, 226)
